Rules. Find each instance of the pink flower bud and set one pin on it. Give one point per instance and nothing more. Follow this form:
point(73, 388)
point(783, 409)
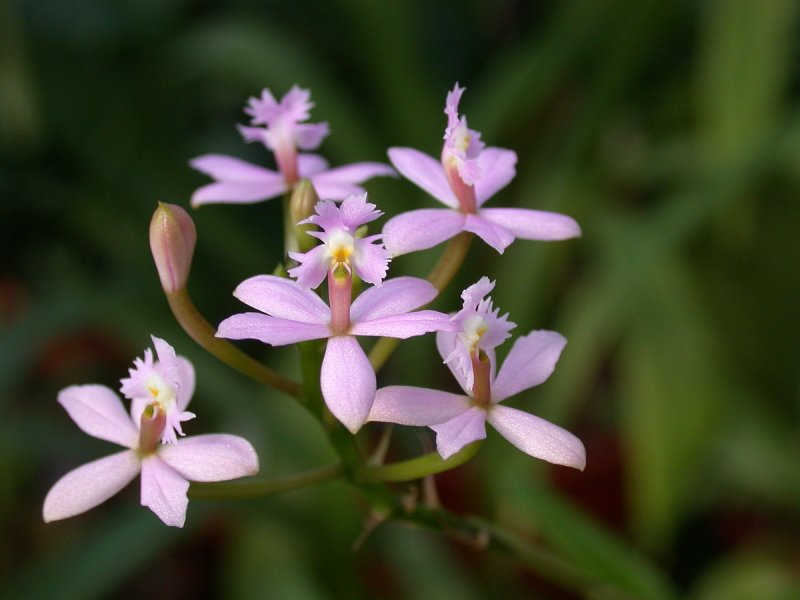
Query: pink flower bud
point(172, 240)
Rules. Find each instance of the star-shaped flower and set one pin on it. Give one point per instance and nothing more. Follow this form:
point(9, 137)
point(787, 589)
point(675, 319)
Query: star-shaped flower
point(459, 419)
point(467, 176)
point(292, 313)
point(166, 469)
point(241, 182)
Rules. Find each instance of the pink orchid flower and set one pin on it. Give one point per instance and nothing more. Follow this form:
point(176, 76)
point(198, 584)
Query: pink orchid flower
point(459, 419)
point(340, 248)
point(166, 469)
point(241, 182)
point(466, 177)
point(295, 314)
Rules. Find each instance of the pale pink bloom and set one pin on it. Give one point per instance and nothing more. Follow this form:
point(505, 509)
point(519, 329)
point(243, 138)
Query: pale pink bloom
point(241, 182)
point(168, 382)
point(480, 329)
point(467, 175)
point(340, 247)
point(166, 469)
point(283, 131)
point(294, 314)
point(459, 419)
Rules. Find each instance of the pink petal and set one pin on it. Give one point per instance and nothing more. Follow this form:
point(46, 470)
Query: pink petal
point(137, 408)
point(295, 104)
point(451, 105)
point(356, 173)
point(270, 330)
point(347, 381)
point(238, 192)
point(530, 362)
point(446, 343)
point(89, 485)
point(421, 229)
point(214, 457)
point(424, 171)
point(370, 260)
point(404, 326)
point(284, 298)
point(228, 168)
point(459, 431)
point(497, 170)
point(539, 438)
point(185, 382)
point(497, 236)
point(395, 296)
point(406, 405)
point(310, 164)
point(255, 134)
point(329, 189)
point(533, 224)
point(164, 491)
point(456, 357)
point(166, 354)
point(309, 136)
point(355, 211)
point(98, 411)
point(313, 267)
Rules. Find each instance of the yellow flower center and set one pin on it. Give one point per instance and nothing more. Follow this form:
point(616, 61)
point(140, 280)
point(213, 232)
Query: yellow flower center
point(474, 328)
point(341, 246)
point(164, 394)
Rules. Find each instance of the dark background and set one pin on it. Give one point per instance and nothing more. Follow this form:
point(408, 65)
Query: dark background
point(669, 129)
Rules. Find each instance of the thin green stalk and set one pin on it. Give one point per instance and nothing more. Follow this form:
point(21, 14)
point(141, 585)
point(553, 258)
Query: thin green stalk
point(204, 334)
point(440, 276)
point(481, 534)
point(416, 468)
point(264, 487)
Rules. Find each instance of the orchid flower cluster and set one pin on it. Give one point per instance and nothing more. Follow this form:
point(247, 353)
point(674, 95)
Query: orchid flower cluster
point(313, 303)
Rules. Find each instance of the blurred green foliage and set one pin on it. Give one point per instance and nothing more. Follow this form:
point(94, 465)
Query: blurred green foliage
point(669, 128)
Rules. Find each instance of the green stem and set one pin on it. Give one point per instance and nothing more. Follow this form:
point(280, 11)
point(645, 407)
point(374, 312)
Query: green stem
point(204, 334)
point(264, 487)
point(416, 468)
point(440, 276)
point(481, 534)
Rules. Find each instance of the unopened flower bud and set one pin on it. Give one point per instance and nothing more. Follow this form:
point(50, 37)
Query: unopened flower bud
point(301, 207)
point(172, 241)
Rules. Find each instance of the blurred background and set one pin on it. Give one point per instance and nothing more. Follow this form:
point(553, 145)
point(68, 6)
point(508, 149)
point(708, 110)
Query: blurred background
point(670, 129)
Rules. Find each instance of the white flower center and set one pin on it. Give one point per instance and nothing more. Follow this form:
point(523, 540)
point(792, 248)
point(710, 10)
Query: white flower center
point(474, 328)
point(164, 394)
point(340, 247)
point(462, 137)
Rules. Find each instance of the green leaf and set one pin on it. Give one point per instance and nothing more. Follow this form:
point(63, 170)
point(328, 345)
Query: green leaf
point(587, 544)
point(672, 399)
